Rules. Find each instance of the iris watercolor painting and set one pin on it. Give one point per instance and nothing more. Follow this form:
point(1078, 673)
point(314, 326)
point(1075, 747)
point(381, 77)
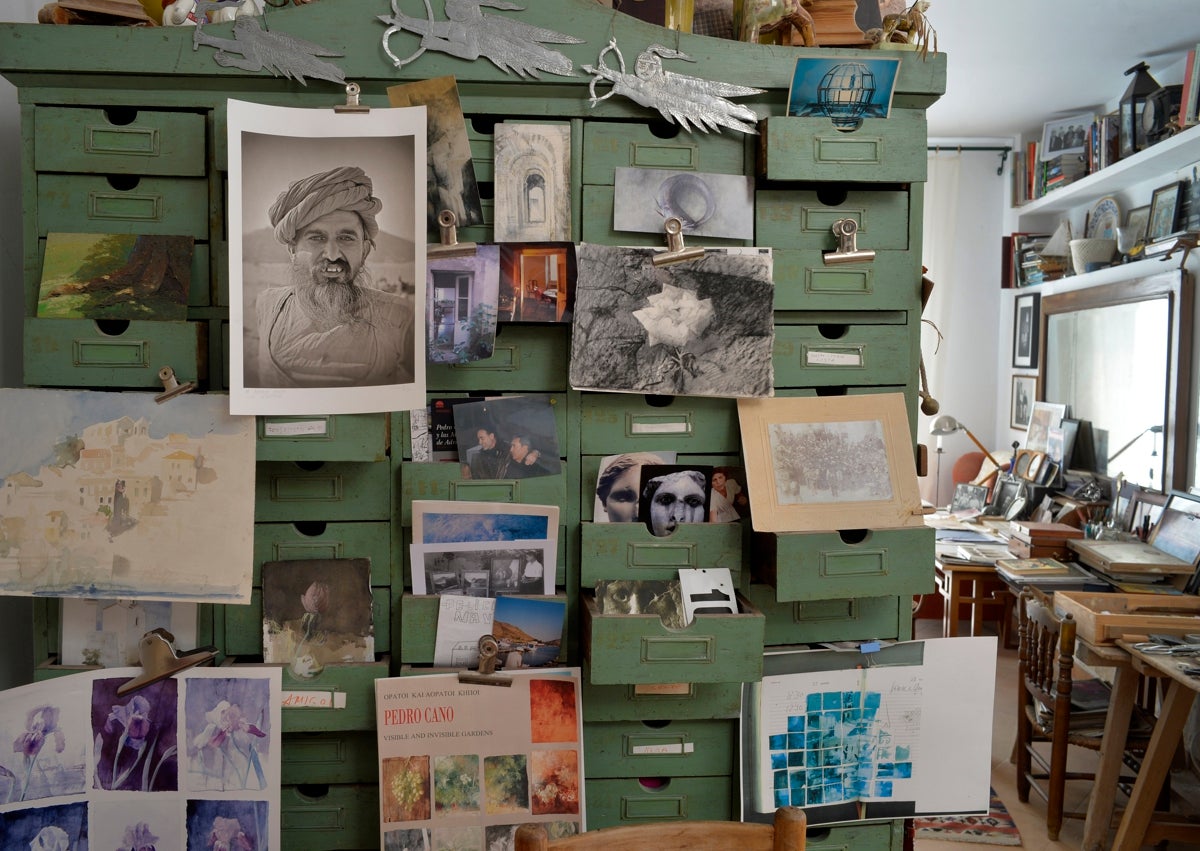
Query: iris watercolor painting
point(698, 328)
point(134, 765)
point(135, 737)
point(228, 727)
point(114, 495)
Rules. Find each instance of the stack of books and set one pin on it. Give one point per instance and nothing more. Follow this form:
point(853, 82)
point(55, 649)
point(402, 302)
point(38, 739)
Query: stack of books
point(1042, 540)
point(1062, 170)
point(1024, 265)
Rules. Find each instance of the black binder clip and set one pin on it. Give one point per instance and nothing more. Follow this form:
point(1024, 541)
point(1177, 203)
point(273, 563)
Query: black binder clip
point(846, 230)
point(449, 246)
point(353, 90)
point(159, 660)
point(489, 650)
point(676, 251)
point(171, 386)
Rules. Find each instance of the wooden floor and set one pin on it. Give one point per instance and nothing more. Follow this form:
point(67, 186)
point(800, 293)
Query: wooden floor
point(1031, 817)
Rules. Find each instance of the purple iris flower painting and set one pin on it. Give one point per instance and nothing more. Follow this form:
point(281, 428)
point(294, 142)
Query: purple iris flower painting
point(55, 828)
point(227, 825)
point(228, 733)
point(39, 756)
point(136, 740)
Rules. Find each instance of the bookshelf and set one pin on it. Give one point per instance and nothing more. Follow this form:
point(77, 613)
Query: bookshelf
point(1166, 157)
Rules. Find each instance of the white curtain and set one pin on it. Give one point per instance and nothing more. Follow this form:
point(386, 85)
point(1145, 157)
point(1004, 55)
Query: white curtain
point(939, 239)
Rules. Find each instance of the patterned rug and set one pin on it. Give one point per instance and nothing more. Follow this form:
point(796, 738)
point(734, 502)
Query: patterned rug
point(996, 828)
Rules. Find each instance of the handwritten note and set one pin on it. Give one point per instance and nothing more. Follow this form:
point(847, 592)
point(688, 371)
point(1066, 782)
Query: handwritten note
point(304, 699)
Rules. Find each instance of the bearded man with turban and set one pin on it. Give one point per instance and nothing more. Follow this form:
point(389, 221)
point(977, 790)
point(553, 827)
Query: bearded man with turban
point(331, 327)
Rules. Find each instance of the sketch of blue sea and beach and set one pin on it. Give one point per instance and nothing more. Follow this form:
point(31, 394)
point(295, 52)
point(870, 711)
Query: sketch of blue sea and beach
point(111, 495)
point(451, 522)
point(854, 742)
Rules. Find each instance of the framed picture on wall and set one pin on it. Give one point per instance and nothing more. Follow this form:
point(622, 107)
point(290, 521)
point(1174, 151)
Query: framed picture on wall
point(1024, 393)
point(1026, 322)
point(1164, 211)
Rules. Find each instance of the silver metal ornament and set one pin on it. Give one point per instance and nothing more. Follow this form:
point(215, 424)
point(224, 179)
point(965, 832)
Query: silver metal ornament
point(253, 48)
point(683, 99)
point(510, 45)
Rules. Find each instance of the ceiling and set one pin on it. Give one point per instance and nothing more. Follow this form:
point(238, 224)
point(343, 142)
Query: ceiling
point(1015, 64)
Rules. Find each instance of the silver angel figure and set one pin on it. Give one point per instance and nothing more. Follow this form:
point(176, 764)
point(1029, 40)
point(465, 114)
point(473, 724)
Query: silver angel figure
point(678, 97)
point(253, 48)
point(512, 46)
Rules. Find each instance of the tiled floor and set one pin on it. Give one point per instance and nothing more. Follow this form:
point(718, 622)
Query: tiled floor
point(1031, 817)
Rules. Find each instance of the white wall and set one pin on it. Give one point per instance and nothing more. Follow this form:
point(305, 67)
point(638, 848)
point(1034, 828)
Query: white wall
point(16, 613)
point(966, 297)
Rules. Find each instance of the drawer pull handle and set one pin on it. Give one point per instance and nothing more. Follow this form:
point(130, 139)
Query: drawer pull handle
point(846, 231)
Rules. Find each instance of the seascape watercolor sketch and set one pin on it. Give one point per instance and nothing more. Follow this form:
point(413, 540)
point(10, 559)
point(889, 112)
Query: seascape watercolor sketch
point(111, 495)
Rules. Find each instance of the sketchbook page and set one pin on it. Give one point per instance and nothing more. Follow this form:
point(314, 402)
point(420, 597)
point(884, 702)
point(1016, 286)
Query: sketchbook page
point(476, 761)
point(870, 742)
point(172, 764)
point(460, 624)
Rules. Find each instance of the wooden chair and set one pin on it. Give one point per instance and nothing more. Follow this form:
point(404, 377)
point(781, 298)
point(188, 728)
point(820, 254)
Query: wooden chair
point(786, 834)
point(1046, 653)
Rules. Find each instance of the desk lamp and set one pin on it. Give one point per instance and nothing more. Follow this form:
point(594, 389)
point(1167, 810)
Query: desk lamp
point(942, 426)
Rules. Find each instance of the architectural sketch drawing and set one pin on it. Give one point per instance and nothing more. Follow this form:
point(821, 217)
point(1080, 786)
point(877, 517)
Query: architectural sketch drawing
point(533, 183)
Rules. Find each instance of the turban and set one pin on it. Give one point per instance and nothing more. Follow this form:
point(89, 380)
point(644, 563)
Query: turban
point(305, 201)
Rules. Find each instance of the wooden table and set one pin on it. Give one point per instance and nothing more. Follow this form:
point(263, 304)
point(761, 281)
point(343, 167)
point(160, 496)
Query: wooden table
point(1140, 824)
point(976, 585)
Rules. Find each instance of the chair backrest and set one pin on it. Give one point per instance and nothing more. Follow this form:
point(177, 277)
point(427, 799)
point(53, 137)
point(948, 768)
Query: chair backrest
point(1046, 653)
point(786, 834)
point(966, 467)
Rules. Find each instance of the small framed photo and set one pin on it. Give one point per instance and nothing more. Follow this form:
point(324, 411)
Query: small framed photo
point(1066, 135)
point(834, 462)
point(1136, 220)
point(1024, 393)
point(1027, 321)
point(1164, 211)
point(969, 498)
point(1043, 417)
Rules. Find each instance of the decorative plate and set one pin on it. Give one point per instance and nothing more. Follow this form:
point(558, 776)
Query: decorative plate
point(1104, 219)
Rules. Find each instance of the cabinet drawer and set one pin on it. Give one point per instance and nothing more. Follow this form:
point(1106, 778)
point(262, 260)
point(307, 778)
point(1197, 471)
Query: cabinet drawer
point(118, 140)
point(674, 748)
point(322, 437)
point(650, 701)
point(317, 539)
point(317, 817)
point(76, 353)
point(340, 697)
point(803, 281)
point(639, 649)
point(611, 145)
point(879, 150)
point(847, 619)
point(82, 203)
point(830, 565)
point(244, 624)
point(340, 490)
point(877, 836)
point(442, 481)
point(839, 353)
point(619, 422)
point(418, 626)
point(525, 357)
point(344, 756)
point(801, 220)
point(655, 799)
point(629, 551)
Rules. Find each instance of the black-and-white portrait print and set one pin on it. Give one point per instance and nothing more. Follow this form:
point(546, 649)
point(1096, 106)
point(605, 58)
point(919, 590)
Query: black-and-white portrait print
point(327, 271)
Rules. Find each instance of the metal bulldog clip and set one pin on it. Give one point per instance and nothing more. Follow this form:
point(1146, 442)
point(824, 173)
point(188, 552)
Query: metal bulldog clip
point(353, 90)
point(172, 387)
point(449, 246)
point(676, 251)
point(846, 230)
point(159, 660)
point(489, 650)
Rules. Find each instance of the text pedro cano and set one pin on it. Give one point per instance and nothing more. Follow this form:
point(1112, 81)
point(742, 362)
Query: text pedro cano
point(430, 718)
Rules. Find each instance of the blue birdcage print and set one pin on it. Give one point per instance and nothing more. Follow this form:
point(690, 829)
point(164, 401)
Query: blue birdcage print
point(846, 92)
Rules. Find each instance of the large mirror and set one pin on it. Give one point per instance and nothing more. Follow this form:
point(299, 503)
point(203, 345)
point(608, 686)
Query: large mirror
point(1112, 354)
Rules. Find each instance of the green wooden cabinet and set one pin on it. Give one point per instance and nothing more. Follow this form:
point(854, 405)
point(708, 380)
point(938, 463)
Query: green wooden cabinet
point(124, 131)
